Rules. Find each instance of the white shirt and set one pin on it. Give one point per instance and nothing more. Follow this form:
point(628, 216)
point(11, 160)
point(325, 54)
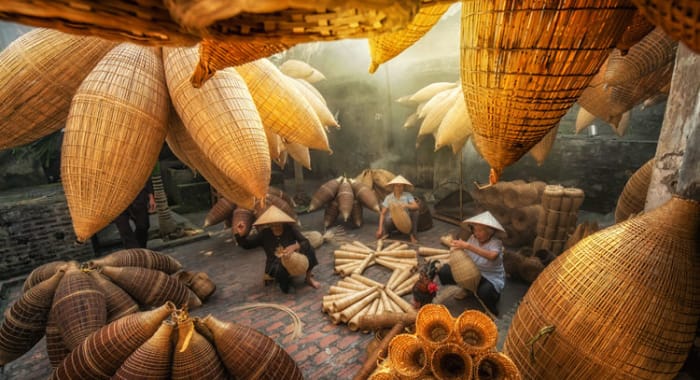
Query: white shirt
point(491, 270)
point(405, 198)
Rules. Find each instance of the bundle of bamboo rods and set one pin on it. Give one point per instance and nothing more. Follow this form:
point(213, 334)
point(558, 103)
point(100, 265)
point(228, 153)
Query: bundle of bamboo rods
point(355, 257)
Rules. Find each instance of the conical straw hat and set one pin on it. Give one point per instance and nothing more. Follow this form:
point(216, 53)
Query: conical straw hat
point(486, 219)
point(399, 180)
point(273, 215)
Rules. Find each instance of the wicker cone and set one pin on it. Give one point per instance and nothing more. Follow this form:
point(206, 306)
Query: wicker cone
point(41, 273)
point(221, 117)
point(386, 46)
point(434, 324)
point(194, 356)
point(495, 366)
point(139, 257)
point(299, 153)
point(356, 214)
point(475, 332)
point(281, 105)
point(400, 217)
point(40, 74)
point(151, 287)
point(245, 216)
point(464, 271)
point(634, 194)
point(248, 354)
point(427, 92)
point(678, 18)
point(321, 109)
point(349, 313)
point(202, 286)
point(365, 194)
point(106, 159)
point(541, 150)
point(301, 70)
point(221, 211)
point(281, 194)
point(103, 352)
point(407, 356)
point(451, 361)
point(181, 143)
point(637, 29)
point(118, 302)
point(383, 373)
point(271, 199)
point(662, 303)
point(583, 119)
point(456, 126)
point(381, 178)
point(435, 110)
point(152, 359)
point(55, 348)
point(500, 96)
point(345, 198)
point(324, 194)
point(644, 58)
point(80, 307)
point(24, 322)
point(330, 214)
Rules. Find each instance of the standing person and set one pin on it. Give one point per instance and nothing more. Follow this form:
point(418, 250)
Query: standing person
point(277, 231)
point(406, 199)
point(138, 210)
point(487, 253)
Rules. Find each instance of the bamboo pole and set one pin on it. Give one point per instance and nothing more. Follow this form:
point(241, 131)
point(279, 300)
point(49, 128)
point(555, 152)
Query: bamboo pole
point(352, 298)
point(373, 358)
point(399, 260)
point(391, 246)
point(392, 278)
point(392, 265)
point(362, 245)
point(364, 264)
point(339, 262)
point(386, 320)
point(339, 254)
point(333, 290)
point(351, 280)
point(350, 311)
point(380, 243)
point(386, 301)
point(366, 281)
point(427, 251)
point(410, 281)
point(373, 307)
point(403, 304)
point(403, 275)
point(354, 248)
point(408, 254)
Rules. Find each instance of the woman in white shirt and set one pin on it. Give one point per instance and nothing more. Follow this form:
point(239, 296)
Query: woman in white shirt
point(487, 252)
point(406, 199)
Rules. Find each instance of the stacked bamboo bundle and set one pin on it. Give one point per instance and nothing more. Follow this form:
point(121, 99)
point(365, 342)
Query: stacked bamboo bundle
point(634, 194)
point(343, 197)
point(516, 205)
point(68, 301)
point(167, 343)
point(445, 347)
point(355, 257)
point(557, 219)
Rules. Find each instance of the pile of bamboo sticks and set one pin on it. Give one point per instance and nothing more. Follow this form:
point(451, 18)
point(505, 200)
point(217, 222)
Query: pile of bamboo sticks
point(357, 256)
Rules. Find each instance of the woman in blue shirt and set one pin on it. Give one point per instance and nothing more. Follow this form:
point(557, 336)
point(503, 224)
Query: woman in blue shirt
point(406, 199)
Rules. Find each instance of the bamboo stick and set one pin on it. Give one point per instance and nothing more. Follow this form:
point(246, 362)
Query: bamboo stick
point(351, 280)
point(392, 265)
point(373, 307)
point(349, 312)
point(408, 282)
point(339, 254)
point(408, 254)
point(387, 302)
point(366, 281)
point(348, 270)
point(391, 246)
point(399, 260)
point(354, 248)
point(392, 278)
point(339, 262)
point(373, 358)
point(403, 291)
point(400, 279)
point(352, 298)
point(403, 304)
point(364, 264)
point(335, 318)
point(348, 265)
point(386, 320)
point(427, 251)
point(362, 245)
point(333, 290)
point(380, 243)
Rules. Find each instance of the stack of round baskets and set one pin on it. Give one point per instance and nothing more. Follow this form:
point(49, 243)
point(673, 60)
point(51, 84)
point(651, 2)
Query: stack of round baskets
point(557, 218)
point(444, 347)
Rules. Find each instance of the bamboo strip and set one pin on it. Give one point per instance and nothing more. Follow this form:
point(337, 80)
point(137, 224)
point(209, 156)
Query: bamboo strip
point(364, 264)
point(380, 243)
point(391, 246)
point(339, 290)
point(338, 262)
point(350, 270)
point(392, 265)
point(388, 305)
point(403, 304)
point(386, 320)
point(354, 281)
point(344, 267)
point(349, 255)
point(407, 285)
point(362, 245)
point(409, 253)
point(354, 248)
point(349, 312)
point(352, 298)
point(352, 323)
point(401, 246)
point(400, 260)
point(366, 281)
point(427, 251)
point(403, 291)
point(392, 278)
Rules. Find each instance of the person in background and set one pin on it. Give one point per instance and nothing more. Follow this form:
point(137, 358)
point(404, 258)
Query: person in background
point(487, 253)
point(277, 231)
point(406, 199)
point(138, 210)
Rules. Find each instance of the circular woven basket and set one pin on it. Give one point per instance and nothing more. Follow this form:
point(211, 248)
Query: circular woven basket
point(295, 263)
point(400, 217)
point(495, 366)
point(642, 273)
point(451, 362)
point(202, 285)
point(551, 197)
point(465, 273)
point(434, 325)
point(475, 332)
point(407, 356)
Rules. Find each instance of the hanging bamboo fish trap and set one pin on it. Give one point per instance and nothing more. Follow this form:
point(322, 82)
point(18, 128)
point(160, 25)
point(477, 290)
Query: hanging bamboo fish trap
point(654, 50)
point(637, 29)
point(427, 92)
point(541, 150)
point(641, 273)
point(318, 105)
point(524, 65)
point(221, 117)
point(301, 70)
point(679, 18)
point(39, 74)
point(194, 356)
point(634, 194)
point(456, 126)
point(299, 153)
point(434, 111)
point(114, 132)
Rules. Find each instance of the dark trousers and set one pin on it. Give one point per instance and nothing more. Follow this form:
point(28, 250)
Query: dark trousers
point(486, 291)
point(389, 226)
point(138, 237)
point(279, 272)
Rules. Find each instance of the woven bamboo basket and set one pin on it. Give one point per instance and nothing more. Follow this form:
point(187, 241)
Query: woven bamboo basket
point(456, 126)
point(400, 217)
point(571, 201)
point(324, 194)
point(383, 373)
point(654, 50)
point(301, 70)
point(221, 211)
point(583, 119)
point(572, 318)
point(221, 117)
point(41, 273)
point(475, 332)
point(356, 214)
point(248, 354)
point(427, 92)
point(80, 307)
point(451, 361)
point(55, 348)
point(435, 110)
point(345, 198)
point(551, 197)
point(184, 147)
point(114, 132)
point(530, 268)
point(541, 150)
point(103, 352)
point(151, 287)
point(280, 193)
point(118, 302)
point(637, 29)
point(152, 358)
point(330, 214)
point(386, 46)
point(281, 106)
point(464, 271)
point(434, 325)
point(380, 178)
point(524, 66)
point(495, 366)
point(194, 357)
point(365, 195)
point(202, 286)
point(39, 76)
point(139, 257)
point(299, 153)
point(679, 18)
point(634, 194)
point(407, 357)
point(319, 106)
point(295, 263)
point(245, 216)
point(25, 320)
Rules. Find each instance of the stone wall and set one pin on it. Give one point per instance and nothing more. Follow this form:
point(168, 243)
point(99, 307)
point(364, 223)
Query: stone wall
point(35, 229)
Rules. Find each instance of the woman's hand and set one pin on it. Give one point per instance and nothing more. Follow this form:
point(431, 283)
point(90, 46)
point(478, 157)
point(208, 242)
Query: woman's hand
point(288, 250)
point(239, 228)
point(459, 243)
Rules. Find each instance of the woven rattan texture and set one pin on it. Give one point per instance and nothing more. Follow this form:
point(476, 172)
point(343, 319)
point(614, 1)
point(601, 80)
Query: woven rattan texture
point(316, 102)
point(654, 50)
point(634, 194)
point(222, 119)
point(679, 18)
point(40, 72)
point(541, 150)
point(114, 132)
point(456, 127)
point(622, 303)
point(407, 355)
point(152, 358)
point(194, 356)
point(636, 30)
point(524, 65)
point(495, 365)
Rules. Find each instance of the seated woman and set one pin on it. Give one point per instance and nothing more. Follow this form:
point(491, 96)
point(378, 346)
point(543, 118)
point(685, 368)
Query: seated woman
point(406, 199)
point(487, 253)
point(278, 231)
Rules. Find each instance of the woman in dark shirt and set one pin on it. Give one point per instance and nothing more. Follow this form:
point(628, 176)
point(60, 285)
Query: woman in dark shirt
point(282, 235)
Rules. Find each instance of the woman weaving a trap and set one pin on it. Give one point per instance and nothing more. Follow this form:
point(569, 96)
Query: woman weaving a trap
point(288, 252)
point(399, 201)
point(486, 251)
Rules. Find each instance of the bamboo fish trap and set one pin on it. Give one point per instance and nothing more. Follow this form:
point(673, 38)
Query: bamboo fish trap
point(562, 328)
point(634, 194)
point(524, 65)
point(679, 18)
point(114, 132)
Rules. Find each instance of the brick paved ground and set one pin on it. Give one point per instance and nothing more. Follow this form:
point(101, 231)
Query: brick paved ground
point(324, 351)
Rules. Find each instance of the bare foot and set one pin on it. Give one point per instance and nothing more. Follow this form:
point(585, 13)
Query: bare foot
point(313, 283)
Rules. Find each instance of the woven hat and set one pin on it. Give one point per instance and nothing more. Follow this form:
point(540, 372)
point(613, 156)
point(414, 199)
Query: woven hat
point(485, 219)
point(273, 215)
point(400, 180)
